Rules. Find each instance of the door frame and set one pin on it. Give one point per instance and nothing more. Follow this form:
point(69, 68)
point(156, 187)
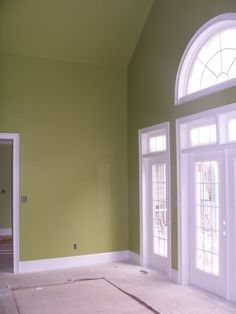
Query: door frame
point(14, 137)
point(231, 199)
point(182, 202)
point(209, 282)
point(143, 217)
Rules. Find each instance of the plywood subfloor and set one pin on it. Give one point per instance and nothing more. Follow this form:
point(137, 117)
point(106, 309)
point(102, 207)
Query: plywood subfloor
point(149, 285)
point(86, 297)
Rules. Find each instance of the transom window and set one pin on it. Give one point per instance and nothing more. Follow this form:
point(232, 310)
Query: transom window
point(203, 135)
point(157, 143)
point(232, 129)
point(215, 62)
point(209, 61)
point(215, 130)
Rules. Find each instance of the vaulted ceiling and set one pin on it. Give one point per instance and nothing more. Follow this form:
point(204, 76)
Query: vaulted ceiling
point(92, 31)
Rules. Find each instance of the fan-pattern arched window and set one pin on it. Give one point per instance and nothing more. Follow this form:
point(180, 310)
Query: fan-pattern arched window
point(209, 60)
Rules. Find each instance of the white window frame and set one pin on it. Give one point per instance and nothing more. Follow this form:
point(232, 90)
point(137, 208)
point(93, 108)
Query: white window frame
point(221, 115)
point(144, 136)
point(197, 41)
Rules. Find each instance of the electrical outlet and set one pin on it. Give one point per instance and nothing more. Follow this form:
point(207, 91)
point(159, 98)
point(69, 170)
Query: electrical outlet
point(24, 199)
point(75, 246)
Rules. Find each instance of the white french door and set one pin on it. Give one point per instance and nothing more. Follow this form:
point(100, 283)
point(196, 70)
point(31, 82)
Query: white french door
point(154, 170)
point(158, 204)
point(206, 146)
point(208, 222)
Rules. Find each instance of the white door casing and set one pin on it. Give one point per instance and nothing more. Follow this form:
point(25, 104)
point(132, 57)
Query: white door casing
point(15, 195)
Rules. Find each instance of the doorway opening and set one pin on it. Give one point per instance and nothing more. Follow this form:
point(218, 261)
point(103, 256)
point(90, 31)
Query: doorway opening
point(9, 202)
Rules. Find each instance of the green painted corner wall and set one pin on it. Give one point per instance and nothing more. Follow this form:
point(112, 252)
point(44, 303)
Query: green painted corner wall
point(151, 86)
point(72, 122)
point(6, 185)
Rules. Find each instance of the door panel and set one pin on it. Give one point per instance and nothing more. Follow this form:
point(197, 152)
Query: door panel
point(207, 216)
point(158, 207)
point(207, 222)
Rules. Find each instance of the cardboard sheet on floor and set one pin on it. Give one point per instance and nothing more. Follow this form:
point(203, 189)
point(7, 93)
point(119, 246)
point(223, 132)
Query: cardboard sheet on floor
point(85, 297)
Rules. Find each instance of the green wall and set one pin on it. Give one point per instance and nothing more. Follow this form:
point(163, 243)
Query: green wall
point(5, 184)
point(151, 85)
point(71, 118)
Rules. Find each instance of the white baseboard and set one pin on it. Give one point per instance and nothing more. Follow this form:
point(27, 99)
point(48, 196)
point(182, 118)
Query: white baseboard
point(174, 276)
point(72, 261)
point(5, 231)
point(134, 258)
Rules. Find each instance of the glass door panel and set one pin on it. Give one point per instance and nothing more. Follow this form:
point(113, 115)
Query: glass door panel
point(207, 216)
point(159, 209)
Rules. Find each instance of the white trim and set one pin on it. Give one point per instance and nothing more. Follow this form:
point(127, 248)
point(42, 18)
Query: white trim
point(206, 91)
point(183, 258)
point(15, 187)
point(169, 261)
point(72, 261)
point(174, 276)
point(142, 201)
point(178, 204)
point(196, 42)
point(5, 142)
point(5, 232)
point(134, 258)
point(207, 113)
point(153, 128)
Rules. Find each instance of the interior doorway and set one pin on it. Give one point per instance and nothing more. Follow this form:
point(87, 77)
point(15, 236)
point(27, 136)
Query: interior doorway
point(9, 202)
point(6, 229)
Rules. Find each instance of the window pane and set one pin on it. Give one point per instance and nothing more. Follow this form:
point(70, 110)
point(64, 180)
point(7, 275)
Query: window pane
point(209, 49)
point(159, 209)
point(214, 63)
point(207, 216)
point(232, 130)
point(194, 135)
point(208, 79)
point(157, 143)
point(228, 56)
point(226, 38)
point(232, 70)
point(203, 135)
point(195, 77)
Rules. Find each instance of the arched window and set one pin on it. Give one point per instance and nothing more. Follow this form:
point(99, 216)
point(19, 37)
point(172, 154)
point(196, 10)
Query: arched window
point(209, 61)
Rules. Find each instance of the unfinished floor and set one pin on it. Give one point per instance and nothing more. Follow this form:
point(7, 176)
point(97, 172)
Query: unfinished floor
point(115, 288)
